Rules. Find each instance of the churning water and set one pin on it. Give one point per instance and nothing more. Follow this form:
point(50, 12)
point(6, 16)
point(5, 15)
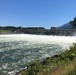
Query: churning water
point(16, 51)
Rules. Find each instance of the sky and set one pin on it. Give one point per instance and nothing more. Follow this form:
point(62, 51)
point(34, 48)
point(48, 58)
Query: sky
point(36, 13)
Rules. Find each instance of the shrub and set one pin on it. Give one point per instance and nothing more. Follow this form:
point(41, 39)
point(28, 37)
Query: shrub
point(34, 68)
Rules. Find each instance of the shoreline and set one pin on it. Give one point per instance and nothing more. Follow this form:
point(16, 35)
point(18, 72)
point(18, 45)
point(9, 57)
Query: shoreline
point(42, 62)
point(56, 59)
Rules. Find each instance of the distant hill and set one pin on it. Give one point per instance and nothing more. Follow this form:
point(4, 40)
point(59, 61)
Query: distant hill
point(66, 26)
point(69, 25)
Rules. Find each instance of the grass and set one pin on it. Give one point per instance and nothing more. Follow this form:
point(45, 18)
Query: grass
point(73, 72)
point(65, 69)
point(62, 64)
point(5, 31)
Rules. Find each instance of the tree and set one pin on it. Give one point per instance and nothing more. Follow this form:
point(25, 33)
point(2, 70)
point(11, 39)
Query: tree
point(74, 21)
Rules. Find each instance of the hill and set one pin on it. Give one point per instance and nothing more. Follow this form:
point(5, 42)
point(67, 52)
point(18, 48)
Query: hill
point(69, 25)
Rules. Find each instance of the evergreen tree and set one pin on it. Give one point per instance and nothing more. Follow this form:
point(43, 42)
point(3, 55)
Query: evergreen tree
point(74, 21)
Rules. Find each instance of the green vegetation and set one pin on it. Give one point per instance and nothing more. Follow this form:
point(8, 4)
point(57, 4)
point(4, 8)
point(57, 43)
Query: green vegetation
point(9, 29)
point(62, 64)
point(73, 72)
point(73, 22)
point(2, 31)
point(33, 69)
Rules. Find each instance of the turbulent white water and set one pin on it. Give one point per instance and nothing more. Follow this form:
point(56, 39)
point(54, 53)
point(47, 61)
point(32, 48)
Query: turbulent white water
point(16, 51)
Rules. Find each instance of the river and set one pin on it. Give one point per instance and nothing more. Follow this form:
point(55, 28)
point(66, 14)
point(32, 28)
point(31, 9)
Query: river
point(18, 50)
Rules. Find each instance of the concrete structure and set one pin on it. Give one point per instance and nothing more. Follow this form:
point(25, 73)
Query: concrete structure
point(67, 32)
point(52, 31)
point(37, 31)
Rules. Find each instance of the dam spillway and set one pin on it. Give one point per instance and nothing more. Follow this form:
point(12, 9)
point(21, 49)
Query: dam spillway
point(17, 50)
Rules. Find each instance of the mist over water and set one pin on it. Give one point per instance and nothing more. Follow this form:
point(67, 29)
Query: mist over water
point(17, 50)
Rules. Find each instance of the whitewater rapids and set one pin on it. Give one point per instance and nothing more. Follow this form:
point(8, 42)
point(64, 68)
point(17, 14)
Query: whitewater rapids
point(17, 50)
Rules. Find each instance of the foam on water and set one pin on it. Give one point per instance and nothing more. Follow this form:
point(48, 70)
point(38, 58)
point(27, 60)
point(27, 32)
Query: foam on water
point(38, 38)
point(16, 51)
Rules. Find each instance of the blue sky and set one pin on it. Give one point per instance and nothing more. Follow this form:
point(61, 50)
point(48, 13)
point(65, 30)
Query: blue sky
point(36, 13)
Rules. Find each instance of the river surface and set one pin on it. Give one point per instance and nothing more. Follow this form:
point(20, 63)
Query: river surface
point(18, 50)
